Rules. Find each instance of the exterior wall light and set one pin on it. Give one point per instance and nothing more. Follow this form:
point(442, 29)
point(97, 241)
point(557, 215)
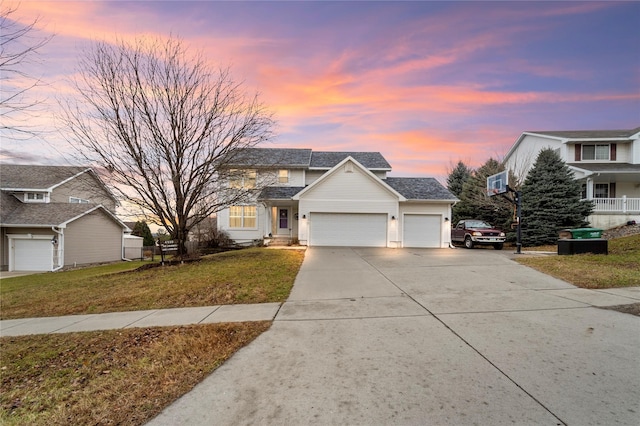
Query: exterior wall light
point(393, 218)
point(304, 216)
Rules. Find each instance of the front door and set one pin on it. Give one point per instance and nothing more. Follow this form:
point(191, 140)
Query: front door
point(283, 221)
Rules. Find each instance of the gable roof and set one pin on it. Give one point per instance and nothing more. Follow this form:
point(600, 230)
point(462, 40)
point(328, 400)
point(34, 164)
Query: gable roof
point(22, 178)
point(366, 172)
point(566, 136)
point(271, 157)
point(28, 177)
point(420, 188)
point(588, 134)
point(46, 215)
point(329, 159)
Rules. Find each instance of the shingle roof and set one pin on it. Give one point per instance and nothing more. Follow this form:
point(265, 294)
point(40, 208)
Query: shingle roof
point(41, 214)
point(589, 134)
point(15, 176)
point(279, 192)
point(270, 157)
point(328, 159)
point(420, 188)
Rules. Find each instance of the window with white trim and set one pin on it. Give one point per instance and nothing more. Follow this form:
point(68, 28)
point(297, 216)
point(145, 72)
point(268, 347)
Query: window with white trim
point(34, 197)
point(595, 152)
point(242, 179)
point(283, 176)
point(75, 200)
point(242, 217)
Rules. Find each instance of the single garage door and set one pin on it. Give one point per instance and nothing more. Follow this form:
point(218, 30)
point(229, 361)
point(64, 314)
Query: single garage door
point(32, 255)
point(421, 230)
point(348, 229)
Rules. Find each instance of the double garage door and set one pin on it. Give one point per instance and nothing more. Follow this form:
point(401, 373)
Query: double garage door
point(348, 229)
point(370, 230)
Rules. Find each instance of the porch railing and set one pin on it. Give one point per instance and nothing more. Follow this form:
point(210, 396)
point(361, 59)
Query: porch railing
point(616, 205)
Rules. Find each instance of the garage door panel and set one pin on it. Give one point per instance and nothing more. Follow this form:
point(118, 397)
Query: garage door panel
point(348, 229)
point(422, 230)
point(32, 255)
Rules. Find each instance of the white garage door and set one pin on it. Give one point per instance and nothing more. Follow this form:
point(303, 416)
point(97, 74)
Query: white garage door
point(348, 229)
point(32, 255)
point(421, 230)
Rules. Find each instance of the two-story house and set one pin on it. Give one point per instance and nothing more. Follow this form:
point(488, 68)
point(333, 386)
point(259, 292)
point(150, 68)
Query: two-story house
point(607, 162)
point(335, 199)
point(56, 216)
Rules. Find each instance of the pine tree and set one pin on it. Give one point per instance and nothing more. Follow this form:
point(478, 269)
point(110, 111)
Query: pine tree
point(457, 177)
point(141, 229)
point(474, 202)
point(551, 201)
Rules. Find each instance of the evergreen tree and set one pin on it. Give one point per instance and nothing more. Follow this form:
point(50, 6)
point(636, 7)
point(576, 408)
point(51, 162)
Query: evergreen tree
point(141, 229)
point(457, 177)
point(551, 201)
point(475, 204)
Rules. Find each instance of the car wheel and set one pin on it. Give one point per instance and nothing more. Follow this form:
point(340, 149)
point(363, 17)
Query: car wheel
point(468, 243)
point(498, 246)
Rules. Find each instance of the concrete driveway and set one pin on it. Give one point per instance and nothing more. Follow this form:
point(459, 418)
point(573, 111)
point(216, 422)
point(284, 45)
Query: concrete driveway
point(429, 337)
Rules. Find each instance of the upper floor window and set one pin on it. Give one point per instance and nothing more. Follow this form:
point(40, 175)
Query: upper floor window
point(35, 197)
point(283, 176)
point(75, 200)
point(595, 152)
point(242, 179)
point(242, 217)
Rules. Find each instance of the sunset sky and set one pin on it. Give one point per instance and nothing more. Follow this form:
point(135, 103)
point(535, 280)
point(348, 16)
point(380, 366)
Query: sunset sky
point(425, 83)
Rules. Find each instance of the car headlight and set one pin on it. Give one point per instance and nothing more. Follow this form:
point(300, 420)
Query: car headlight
point(502, 234)
point(476, 234)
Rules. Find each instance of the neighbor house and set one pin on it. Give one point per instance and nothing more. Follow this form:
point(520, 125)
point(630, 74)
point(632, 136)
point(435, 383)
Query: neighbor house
point(56, 216)
point(335, 199)
point(606, 162)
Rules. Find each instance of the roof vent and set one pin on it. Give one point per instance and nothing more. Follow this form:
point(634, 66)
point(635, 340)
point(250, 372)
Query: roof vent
point(348, 167)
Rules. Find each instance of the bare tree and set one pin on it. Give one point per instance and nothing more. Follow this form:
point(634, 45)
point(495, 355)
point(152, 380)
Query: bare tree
point(165, 125)
point(18, 46)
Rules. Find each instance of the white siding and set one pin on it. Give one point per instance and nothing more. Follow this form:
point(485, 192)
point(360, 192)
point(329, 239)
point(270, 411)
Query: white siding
point(521, 160)
point(313, 175)
point(243, 235)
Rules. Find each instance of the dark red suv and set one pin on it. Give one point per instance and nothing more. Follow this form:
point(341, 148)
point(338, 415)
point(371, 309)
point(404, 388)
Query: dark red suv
point(472, 232)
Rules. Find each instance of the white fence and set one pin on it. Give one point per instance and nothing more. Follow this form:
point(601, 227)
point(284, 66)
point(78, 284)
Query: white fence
point(616, 205)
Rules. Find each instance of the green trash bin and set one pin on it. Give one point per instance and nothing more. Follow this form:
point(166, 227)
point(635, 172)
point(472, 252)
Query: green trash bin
point(586, 233)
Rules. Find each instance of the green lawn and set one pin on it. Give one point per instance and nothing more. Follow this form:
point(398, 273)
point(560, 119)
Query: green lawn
point(246, 276)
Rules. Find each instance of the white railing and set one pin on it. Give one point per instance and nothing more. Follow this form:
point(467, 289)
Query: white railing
point(616, 205)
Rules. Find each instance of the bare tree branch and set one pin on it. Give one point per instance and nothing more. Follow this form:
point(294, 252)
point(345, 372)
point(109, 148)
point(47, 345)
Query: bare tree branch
point(18, 46)
point(165, 125)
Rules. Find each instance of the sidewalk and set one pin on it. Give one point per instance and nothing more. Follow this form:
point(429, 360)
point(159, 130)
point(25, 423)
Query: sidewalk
point(150, 318)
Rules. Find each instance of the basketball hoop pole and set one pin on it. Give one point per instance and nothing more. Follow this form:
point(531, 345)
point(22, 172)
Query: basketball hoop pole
point(516, 201)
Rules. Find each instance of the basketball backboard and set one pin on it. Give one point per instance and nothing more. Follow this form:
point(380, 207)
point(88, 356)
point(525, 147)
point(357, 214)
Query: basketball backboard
point(497, 184)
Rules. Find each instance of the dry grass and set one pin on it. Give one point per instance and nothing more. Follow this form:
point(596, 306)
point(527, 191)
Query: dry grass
point(110, 377)
point(620, 268)
point(245, 276)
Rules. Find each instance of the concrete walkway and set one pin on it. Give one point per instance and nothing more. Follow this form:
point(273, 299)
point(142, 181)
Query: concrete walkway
point(151, 318)
point(429, 337)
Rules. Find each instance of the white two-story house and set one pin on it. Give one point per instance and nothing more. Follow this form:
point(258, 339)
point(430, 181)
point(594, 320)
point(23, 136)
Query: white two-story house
point(607, 162)
point(335, 199)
